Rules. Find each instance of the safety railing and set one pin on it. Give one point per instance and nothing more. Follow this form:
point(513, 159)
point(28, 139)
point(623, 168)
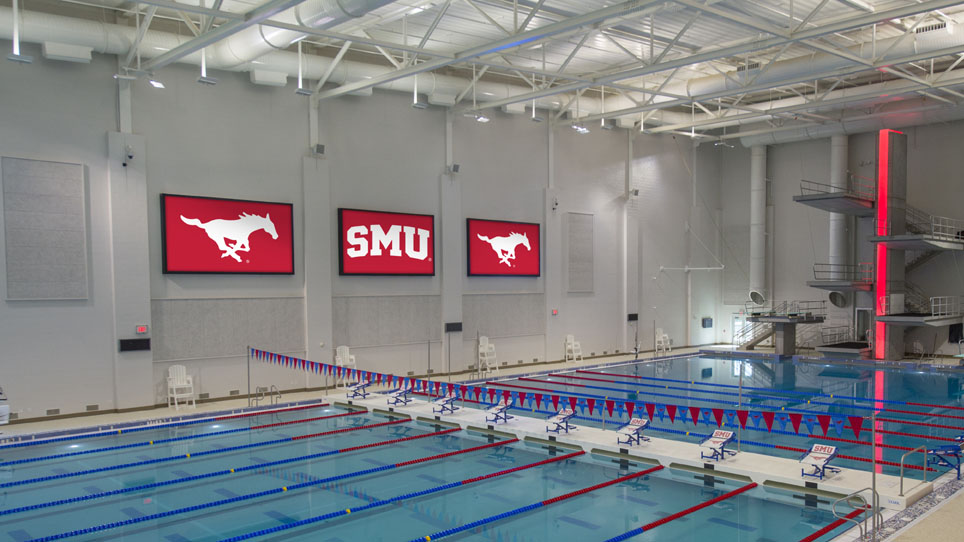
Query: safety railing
point(788, 309)
point(751, 332)
point(947, 228)
point(947, 306)
point(920, 222)
point(861, 272)
point(922, 449)
point(836, 334)
point(857, 502)
point(857, 186)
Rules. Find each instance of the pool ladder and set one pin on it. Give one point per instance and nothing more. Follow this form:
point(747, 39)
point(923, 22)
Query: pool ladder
point(264, 392)
point(857, 501)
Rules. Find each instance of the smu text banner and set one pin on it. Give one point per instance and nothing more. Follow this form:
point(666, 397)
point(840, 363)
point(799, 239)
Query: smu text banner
point(502, 248)
point(214, 235)
point(380, 243)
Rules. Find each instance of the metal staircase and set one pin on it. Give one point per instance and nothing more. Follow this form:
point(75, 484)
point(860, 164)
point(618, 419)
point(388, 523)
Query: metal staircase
point(753, 334)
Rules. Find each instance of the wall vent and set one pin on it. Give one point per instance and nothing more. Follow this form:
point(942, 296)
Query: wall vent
point(535, 360)
point(605, 352)
point(746, 67)
point(520, 362)
point(930, 28)
point(504, 363)
point(592, 353)
point(14, 415)
point(203, 395)
point(431, 371)
point(53, 411)
point(92, 408)
point(234, 392)
point(410, 373)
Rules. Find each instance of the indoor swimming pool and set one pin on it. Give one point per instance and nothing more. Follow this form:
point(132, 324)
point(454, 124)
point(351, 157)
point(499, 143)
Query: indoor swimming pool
point(323, 473)
point(913, 407)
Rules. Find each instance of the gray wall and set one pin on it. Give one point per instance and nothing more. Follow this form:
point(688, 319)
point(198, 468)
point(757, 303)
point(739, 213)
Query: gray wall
point(242, 141)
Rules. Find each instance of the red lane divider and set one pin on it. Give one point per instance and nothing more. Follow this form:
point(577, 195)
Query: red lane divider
point(831, 527)
point(347, 429)
point(921, 424)
point(600, 486)
point(279, 424)
point(263, 412)
point(522, 467)
point(915, 435)
point(949, 407)
point(897, 411)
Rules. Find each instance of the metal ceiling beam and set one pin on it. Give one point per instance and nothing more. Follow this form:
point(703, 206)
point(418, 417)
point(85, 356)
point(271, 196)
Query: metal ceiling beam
point(139, 36)
point(251, 18)
point(524, 38)
point(332, 65)
point(210, 21)
point(825, 28)
point(530, 16)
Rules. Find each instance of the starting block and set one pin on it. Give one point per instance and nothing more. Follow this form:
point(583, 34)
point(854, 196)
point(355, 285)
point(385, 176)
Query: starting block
point(633, 431)
point(716, 444)
point(948, 455)
point(359, 390)
point(400, 397)
point(819, 457)
point(560, 422)
point(444, 405)
point(499, 412)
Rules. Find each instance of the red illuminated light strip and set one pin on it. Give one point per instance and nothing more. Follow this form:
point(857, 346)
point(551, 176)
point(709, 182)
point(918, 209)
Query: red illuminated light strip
point(883, 181)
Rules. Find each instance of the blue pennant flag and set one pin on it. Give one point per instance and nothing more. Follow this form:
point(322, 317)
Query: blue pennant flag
point(809, 420)
point(839, 422)
point(661, 411)
point(783, 419)
point(707, 416)
point(730, 416)
point(682, 413)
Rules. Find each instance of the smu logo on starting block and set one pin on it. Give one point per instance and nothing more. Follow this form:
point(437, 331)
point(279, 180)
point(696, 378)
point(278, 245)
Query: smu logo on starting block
point(379, 243)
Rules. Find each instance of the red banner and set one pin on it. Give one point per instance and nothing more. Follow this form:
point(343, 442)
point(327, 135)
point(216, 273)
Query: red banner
point(502, 248)
point(377, 243)
point(213, 235)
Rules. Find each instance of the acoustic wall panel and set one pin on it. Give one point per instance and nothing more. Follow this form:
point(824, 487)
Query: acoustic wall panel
point(45, 225)
point(186, 329)
point(503, 315)
point(580, 260)
point(361, 321)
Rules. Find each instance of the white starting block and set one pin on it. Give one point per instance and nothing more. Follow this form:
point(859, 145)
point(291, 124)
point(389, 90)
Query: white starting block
point(359, 390)
point(499, 412)
point(400, 397)
point(819, 458)
point(444, 405)
point(560, 422)
point(633, 432)
point(716, 444)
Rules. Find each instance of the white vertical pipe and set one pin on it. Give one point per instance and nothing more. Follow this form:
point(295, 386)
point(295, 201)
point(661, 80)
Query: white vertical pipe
point(16, 29)
point(838, 221)
point(758, 201)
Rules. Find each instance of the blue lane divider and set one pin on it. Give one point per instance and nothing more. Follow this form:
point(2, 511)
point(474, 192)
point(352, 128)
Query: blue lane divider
point(383, 502)
point(115, 432)
point(163, 441)
point(256, 495)
point(184, 456)
point(213, 474)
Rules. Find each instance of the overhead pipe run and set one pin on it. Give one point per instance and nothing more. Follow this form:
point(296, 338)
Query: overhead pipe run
point(758, 213)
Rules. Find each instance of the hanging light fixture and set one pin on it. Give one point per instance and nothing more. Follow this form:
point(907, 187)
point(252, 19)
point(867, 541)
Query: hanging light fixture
point(301, 90)
point(15, 55)
point(153, 81)
point(204, 79)
point(479, 117)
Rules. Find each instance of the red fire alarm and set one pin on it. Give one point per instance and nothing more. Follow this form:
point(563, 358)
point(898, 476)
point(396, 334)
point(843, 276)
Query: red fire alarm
point(140, 329)
point(555, 312)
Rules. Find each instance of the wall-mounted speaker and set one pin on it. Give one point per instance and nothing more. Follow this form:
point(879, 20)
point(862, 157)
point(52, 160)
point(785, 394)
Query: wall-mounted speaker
point(453, 327)
point(318, 150)
point(633, 316)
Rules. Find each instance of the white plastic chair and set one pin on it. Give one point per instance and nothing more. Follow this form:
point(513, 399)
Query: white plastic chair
point(180, 385)
point(663, 341)
point(573, 349)
point(487, 359)
point(344, 358)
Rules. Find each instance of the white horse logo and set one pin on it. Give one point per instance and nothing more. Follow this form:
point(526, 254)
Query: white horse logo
point(504, 247)
point(237, 230)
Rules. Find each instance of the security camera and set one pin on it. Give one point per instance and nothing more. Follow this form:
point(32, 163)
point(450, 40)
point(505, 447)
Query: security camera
point(128, 155)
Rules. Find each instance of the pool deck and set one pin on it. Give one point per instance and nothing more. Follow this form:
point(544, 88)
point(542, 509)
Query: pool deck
point(763, 469)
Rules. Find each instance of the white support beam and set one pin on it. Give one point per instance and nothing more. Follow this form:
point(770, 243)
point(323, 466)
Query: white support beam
point(139, 36)
point(332, 65)
point(530, 16)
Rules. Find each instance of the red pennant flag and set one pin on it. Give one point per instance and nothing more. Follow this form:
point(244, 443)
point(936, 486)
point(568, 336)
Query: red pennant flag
point(591, 403)
point(610, 405)
point(378, 378)
point(695, 414)
point(538, 400)
point(491, 395)
point(451, 389)
point(768, 419)
point(629, 408)
point(856, 423)
point(572, 403)
point(462, 391)
point(718, 414)
point(522, 398)
point(671, 410)
point(795, 420)
point(555, 402)
point(650, 409)
point(437, 385)
point(478, 390)
point(742, 416)
point(824, 422)
point(506, 396)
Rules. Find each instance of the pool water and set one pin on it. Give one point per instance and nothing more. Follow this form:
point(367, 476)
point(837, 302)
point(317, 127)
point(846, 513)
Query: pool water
point(913, 408)
point(295, 475)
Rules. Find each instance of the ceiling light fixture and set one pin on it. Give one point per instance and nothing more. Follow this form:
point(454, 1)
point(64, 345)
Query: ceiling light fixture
point(155, 83)
point(482, 118)
point(15, 55)
point(479, 117)
point(580, 129)
point(204, 79)
point(301, 90)
point(124, 77)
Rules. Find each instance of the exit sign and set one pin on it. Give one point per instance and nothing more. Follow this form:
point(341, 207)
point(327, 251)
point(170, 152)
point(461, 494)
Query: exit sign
point(140, 329)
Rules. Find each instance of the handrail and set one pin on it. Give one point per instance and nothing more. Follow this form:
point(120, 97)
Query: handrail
point(275, 394)
point(923, 449)
point(857, 186)
point(862, 525)
point(861, 272)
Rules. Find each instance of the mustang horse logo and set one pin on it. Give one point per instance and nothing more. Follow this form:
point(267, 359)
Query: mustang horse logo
point(237, 230)
point(504, 247)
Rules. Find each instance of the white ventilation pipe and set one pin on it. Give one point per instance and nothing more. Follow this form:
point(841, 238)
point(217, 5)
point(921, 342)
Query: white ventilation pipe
point(758, 215)
point(838, 221)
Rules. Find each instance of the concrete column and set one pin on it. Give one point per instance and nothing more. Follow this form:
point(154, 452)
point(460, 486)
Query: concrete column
point(758, 211)
point(839, 249)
